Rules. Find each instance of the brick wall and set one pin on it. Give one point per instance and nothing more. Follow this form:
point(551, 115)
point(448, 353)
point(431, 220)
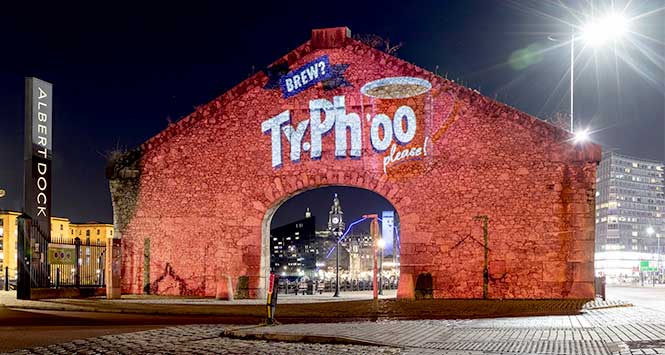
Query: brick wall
point(205, 190)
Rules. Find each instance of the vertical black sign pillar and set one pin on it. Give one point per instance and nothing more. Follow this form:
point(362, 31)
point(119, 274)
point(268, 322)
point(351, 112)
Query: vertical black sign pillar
point(37, 157)
point(24, 260)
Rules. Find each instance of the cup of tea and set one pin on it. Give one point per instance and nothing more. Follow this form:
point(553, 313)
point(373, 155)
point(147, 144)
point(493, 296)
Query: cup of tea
point(397, 111)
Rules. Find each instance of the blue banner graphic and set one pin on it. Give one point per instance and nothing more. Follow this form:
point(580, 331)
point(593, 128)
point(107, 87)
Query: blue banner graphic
point(305, 77)
point(319, 70)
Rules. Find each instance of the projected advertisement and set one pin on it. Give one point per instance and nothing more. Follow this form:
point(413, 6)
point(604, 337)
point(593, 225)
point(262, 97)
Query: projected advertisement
point(390, 118)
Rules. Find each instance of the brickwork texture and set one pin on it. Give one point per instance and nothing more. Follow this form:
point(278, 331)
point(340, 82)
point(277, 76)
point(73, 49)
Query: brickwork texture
point(204, 190)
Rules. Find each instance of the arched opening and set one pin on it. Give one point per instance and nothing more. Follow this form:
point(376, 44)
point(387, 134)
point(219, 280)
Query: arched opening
point(299, 243)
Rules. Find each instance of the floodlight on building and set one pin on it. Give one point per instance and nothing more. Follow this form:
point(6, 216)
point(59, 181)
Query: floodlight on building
point(581, 136)
point(650, 230)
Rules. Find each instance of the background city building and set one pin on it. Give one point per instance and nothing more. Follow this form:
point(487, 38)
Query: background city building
point(62, 232)
point(293, 247)
point(630, 216)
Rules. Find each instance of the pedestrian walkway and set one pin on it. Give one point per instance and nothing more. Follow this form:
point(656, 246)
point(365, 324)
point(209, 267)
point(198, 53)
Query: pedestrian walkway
point(306, 307)
point(606, 331)
point(625, 330)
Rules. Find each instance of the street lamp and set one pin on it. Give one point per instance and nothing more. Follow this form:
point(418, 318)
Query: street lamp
point(581, 136)
point(595, 33)
point(650, 231)
point(336, 226)
point(381, 244)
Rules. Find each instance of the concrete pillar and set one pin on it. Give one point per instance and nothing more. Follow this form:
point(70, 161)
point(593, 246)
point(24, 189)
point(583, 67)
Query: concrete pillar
point(113, 268)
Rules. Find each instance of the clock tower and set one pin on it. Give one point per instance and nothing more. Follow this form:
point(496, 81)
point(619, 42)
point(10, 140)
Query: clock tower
point(336, 216)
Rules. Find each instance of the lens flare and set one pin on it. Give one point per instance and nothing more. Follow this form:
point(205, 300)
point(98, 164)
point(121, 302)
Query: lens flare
point(600, 31)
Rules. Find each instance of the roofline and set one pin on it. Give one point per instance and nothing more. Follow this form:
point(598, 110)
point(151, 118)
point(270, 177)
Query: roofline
point(590, 153)
point(10, 212)
point(611, 153)
point(91, 224)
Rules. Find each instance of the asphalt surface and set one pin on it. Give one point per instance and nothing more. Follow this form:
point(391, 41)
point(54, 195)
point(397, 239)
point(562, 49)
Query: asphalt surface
point(21, 328)
point(648, 297)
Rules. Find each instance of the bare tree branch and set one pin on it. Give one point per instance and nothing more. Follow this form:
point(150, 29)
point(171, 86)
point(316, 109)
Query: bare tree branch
point(378, 42)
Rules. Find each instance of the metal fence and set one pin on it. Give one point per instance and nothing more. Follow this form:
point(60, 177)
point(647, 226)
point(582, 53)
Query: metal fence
point(32, 245)
point(44, 262)
point(318, 286)
point(74, 263)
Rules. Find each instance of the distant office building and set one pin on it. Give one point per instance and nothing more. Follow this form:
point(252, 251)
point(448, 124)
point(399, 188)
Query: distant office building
point(630, 214)
point(293, 248)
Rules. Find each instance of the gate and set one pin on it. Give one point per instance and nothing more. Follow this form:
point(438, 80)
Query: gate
point(56, 263)
point(76, 264)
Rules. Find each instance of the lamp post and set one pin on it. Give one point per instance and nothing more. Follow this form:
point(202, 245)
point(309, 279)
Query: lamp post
point(658, 259)
point(382, 244)
point(595, 33)
point(336, 226)
point(650, 231)
point(337, 236)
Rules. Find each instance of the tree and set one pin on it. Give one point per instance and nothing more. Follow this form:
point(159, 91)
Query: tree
point(560, 120)
point(378, 42)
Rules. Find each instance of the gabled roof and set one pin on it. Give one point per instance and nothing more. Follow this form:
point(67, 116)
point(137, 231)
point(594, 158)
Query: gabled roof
point(340, 37)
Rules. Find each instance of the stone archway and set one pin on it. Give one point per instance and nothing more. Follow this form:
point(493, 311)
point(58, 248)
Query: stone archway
point(202, 191)
point(270, 212)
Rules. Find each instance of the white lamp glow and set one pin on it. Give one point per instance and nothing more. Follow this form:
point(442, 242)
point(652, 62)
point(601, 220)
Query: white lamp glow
point(604, 29)
point(581, 136)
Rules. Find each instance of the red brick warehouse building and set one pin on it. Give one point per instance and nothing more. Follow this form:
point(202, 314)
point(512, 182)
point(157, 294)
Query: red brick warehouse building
point(193, 204)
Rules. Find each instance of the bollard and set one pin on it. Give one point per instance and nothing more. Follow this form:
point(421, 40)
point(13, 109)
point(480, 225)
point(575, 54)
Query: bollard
point(6, 278)
point(57, 277)
point(271, 303)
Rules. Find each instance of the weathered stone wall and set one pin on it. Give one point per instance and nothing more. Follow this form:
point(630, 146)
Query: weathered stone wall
point(207, 190)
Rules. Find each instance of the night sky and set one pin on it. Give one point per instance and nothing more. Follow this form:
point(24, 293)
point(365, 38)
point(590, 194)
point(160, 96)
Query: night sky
point(122, 72)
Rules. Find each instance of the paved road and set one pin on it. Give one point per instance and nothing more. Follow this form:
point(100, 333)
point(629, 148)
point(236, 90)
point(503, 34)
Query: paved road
point(623, 330)
point(27, 328)
point(631, 330)
point(195, 339)
point(648, 297)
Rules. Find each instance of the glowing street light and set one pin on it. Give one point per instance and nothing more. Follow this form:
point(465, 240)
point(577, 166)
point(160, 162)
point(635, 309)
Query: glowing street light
point(595, 33)
point(650, 231)
point(603, 30)
point(581, 136)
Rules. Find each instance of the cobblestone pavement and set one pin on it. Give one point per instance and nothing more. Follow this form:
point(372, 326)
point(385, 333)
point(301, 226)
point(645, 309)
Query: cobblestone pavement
point(623, 330)
point(195, 339)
